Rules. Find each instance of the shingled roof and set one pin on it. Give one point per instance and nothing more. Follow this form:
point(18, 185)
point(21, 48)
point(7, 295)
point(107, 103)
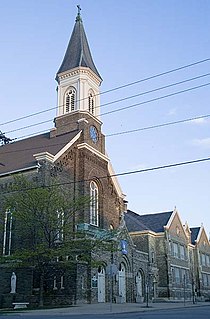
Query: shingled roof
point(19, 155)
point(154, 222)
point(78, 52)
point(133, 222)
point(194, 234)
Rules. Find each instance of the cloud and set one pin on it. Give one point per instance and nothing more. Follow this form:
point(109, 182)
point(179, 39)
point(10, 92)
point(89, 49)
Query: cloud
point(202, 142)
point(199, 121)
point(172, 112)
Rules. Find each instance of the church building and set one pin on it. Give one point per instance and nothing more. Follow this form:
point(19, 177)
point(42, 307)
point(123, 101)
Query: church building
point(133, 258)
point(74, 151)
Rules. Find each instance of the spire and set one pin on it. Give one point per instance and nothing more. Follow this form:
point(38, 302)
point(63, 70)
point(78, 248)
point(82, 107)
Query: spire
point(78, 52)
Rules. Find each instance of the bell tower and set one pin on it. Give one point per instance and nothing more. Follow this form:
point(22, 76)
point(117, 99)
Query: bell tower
point(78, 112)
point(78, 79)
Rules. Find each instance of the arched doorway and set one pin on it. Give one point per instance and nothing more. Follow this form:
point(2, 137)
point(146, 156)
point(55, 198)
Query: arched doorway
point(122, 283)
point(101, 284)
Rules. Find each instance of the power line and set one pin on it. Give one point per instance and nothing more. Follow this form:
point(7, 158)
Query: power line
point(159, 125)
point(157, 89)
point(123, 132)
point(157, 75)
point(32, 134)
point(130, 106)
point(113, 89)
point(122, 99)
point(164, 166)
point(150, 169)
point(156, 99)
point(29, 126)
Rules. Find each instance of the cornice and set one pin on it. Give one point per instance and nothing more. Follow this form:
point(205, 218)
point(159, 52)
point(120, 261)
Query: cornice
point(44, 156)
point(80, 71)
point(179, 266)
point(75, 112)
point(146, 232)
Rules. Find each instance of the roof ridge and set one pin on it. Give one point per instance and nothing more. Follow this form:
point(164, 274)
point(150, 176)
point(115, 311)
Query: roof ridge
point(158, 213)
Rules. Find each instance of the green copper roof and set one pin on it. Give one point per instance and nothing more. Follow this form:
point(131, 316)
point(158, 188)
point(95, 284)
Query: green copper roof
point(78, 52)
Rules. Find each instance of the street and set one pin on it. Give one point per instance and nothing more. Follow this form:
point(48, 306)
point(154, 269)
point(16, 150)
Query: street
point(181, 313)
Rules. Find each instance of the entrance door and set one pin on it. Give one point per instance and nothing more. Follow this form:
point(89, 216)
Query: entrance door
point(122, 283)
point(101, 284)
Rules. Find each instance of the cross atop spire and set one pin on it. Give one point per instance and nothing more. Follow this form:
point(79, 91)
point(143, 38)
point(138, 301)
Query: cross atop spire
point(78, 18)
point(78, 52)
point(79, 9)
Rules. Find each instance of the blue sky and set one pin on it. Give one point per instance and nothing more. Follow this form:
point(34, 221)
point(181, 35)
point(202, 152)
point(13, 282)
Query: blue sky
point(129, 40)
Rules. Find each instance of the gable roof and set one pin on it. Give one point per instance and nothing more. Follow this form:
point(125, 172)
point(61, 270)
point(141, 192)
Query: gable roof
point(78, 52)
point(133, 222)
point(154, 222)
point(19, 155)
point(194, 234)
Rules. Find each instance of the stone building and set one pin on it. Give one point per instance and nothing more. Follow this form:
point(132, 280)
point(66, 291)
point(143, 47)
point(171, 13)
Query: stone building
point(201, 254)
point(74, 153)
point(179, 258)
point(151, 257)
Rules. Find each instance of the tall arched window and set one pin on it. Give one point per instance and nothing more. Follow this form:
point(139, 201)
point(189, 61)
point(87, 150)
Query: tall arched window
point(94, 220)
point(139, 284)
point(59, 234)
point(91, 102)
point(70, 100)
point(122, 282)
point(7, 236)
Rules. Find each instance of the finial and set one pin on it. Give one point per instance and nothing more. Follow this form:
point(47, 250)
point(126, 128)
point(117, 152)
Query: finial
point(78, 13)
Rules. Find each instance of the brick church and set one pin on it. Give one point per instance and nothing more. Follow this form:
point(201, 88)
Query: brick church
point(75, 151)
point(155, 256)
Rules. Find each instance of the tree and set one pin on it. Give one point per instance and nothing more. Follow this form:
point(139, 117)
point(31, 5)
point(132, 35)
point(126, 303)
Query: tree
point(43, 217)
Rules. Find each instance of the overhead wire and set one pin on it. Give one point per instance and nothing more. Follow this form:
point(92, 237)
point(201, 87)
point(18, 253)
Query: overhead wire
point(120, 100)
point(156, 99)
point(150, 169)
point(159, 125)
point(123, 132)
point(114, 89)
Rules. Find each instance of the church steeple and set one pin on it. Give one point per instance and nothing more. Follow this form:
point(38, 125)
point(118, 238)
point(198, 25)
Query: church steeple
point(78, 78)
point(78, 52)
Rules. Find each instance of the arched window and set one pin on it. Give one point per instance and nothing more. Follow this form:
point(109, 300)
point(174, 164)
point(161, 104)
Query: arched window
point(122, 282)
point(7, 236)
point(139, 284)
point(94, 204)
point(70, 100)
point(101, 284)
point(59, 227)
point(91, 103)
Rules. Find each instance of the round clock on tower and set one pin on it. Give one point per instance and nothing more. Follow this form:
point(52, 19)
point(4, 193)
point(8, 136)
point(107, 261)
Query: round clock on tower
point(93, 134)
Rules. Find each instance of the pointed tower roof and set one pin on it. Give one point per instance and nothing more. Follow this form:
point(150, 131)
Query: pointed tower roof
point(78, 52)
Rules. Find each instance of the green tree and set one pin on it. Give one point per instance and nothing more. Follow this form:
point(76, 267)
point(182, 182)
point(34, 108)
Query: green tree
point(44, 223)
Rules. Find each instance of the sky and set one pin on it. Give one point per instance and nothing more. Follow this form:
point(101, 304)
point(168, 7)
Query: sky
point(130, 41)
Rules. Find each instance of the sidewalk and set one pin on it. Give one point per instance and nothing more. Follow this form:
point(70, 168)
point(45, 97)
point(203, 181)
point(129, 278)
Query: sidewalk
point(104, 308)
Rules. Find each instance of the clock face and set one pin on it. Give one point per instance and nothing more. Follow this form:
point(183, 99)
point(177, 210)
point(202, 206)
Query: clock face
point(93, 134)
